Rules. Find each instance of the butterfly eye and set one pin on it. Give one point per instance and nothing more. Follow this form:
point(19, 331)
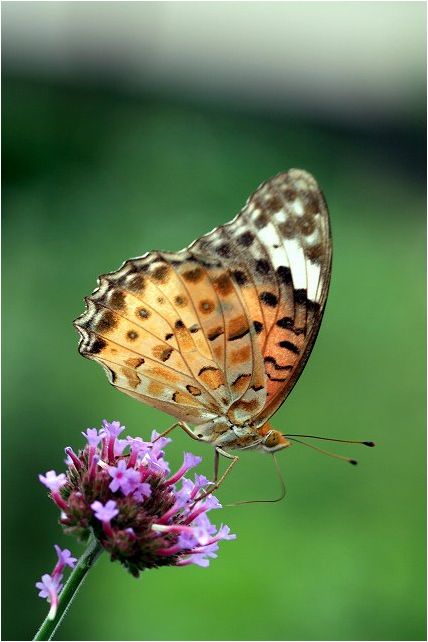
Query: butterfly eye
point(274, 440)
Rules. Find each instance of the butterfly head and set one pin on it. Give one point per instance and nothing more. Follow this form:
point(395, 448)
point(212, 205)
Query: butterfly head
point(272, 440)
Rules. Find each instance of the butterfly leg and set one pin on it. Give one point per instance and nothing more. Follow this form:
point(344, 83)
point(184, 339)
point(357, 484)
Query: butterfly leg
point(178, 424)
point(218, 482)
point(267, 501)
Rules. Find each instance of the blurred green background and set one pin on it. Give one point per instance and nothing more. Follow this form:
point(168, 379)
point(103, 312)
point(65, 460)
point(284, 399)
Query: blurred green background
point(97, 170)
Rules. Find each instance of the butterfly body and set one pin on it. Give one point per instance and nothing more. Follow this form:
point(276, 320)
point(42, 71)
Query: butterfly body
point(217, 334)
point(224, 434)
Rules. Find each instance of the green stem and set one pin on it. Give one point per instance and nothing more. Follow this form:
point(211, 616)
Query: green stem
point(74, 582)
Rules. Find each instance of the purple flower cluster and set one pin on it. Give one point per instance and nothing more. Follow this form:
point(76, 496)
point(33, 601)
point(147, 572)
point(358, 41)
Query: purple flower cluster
point(121, 490)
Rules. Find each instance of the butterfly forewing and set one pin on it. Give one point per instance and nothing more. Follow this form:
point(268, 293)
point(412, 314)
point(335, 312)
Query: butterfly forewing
point(291, 207)
point(224, 327)
point(278, 250)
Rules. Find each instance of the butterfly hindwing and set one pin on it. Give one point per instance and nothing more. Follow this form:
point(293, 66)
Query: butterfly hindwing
point(136, 333)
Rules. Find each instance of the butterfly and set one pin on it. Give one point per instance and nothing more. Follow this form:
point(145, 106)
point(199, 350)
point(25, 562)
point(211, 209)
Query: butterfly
point(217, 334)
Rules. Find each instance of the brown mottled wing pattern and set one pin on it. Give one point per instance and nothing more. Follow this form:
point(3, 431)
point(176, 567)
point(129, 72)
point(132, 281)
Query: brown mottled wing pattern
point(222, 328)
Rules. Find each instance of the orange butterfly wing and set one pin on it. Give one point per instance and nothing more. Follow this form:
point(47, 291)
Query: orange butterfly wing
point(279, 250)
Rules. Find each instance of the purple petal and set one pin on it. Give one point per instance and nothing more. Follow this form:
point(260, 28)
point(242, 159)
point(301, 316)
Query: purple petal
point(211, 503)
point(93, 437)
point(224, 533)
point(64, 557)
point(105, 513)
point(53, 481)
point(114, 428)
point(190, 460)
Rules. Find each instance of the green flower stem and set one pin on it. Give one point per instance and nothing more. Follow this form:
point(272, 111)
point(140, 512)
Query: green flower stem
point(74, 582)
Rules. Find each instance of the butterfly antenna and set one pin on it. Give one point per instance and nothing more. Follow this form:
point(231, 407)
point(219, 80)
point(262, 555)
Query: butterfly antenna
point(324, 452)
point(370, 444)
point(267, 501)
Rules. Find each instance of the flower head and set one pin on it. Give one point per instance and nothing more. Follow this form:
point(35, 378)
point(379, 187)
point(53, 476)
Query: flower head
point(119, 490)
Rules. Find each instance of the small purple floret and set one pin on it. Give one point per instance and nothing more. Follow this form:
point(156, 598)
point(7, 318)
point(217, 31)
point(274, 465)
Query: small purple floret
point(159, 442)
point(53, 481)
point(114, 428)
point(190, 460)
point(142, 491)
point(105, 513)
point(65, 558)
point(93, 436)
point(123, 478)
point(48, 586)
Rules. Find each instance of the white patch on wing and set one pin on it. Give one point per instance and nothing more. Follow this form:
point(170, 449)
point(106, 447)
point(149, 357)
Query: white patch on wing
point(319, 290)
point(297, 263)
point(270, 238)
point(303, 184)
point(240, 229)
point(279, 257)
point(313, 272)
point(280, 216)
point(297, 207)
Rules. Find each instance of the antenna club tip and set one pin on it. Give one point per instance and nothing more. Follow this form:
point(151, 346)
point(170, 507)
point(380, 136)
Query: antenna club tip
point(370, 444)
point(353, 462)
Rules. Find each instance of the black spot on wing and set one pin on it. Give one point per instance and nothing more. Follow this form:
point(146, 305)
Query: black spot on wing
point(274, 363)
point(239, 277)
point(269, 299)
point(117, 300)
point(262, 266)
point(193, 276)
point(98, 345)
point(284, 274)
point(142, 313)
point(261, 221)
point(287, 323)
point(135, 283)
point(288, 345)
point(246, 239)
point(300, 296)
point(107, 322)
point(224, 250)
point(258, 327)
